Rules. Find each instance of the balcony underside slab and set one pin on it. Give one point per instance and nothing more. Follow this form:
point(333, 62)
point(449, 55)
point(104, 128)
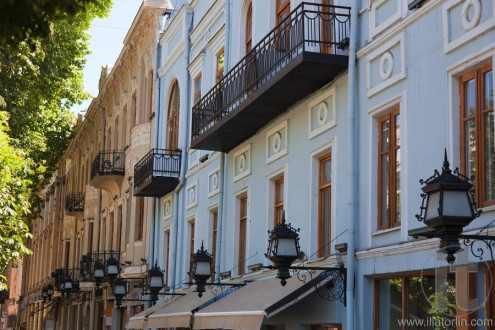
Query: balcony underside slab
point(156, 186)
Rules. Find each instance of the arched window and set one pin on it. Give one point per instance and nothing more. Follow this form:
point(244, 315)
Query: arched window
point(173, 117)
point(249, 28)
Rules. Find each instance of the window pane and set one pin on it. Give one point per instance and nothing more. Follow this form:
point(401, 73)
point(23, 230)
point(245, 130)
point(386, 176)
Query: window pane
point(280, 191)
point(326, 171)
point(385, 135)
point(469, 98)
point(470, 145)
point(489, 90)
point(389, 303)
point(489, 157)
point(397, 186)
point(384, 191)
point(397, 130)
point(326, 219)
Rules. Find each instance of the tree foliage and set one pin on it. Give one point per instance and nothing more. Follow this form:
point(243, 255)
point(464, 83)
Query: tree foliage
point(40, 80)
point(23, 19)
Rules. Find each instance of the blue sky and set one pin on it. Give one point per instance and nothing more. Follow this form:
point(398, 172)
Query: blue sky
point(107, 37)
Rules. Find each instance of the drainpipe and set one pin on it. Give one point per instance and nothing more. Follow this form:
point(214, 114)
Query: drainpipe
point(353, 202)
point(184, 127)
point(223, 158)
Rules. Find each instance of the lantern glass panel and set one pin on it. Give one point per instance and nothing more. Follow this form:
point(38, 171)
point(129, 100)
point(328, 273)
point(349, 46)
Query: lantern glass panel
point(68, 285)
point(456, 203)
point(433, 205)
point(49, 291)
point(113, 270)
point(203, 268)
point(99, 273)
point(44, 294)
point(119, 290)
point(156, 282)
point(287, 247)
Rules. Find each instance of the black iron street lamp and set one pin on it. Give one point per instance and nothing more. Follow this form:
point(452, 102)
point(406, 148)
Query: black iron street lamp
point(447, 207)
point(99, 272)
point(155, 282)
point(283, 248)
point(201, 268)
point(119, 290)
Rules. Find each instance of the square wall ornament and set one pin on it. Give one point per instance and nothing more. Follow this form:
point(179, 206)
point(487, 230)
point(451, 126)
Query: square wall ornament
point(242, 163)
point(192, 195)
point(385, 66)
point(464, 20)
point(321, 113)
point(213, 182)
point(276, 142)
point(167, 208)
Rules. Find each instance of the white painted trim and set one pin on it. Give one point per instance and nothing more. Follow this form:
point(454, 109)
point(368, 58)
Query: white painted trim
point(374, 30)
point(399, 39)
point(323, 128)
point(398, 28)
point(172, 59)
point(282, 152)
point(450, 45)
point(210, 160)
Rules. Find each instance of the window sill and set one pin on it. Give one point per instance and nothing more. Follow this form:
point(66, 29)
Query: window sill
point(385, 231)
point(488, 208)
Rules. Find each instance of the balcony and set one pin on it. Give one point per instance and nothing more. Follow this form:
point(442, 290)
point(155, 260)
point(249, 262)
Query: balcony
point(107, 170)
point(74, 203)
point(300, 55)
point(157, 173)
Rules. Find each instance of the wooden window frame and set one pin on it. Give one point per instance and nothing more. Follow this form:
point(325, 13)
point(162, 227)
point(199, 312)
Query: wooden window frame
point(167, 251)
point(197, 91)
point(248, 38)
point(392, 177)
point(192, 224)
point(283, 6)
point(278, 205)
point(322, 188)
point(219, 70)
point(173, 116)
point(214, 232)
point(479, 129)
point(243, 200)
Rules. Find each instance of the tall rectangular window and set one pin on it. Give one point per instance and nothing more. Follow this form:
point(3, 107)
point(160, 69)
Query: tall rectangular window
point(140, 219)
point(150, 93)
point(220, 61)
point(324, 197)
point(197, 88)
point(134, 110)
point(242, 234)
point(214, 229)
point(389, 170)
point(477, 132)
point(279, 200)
point(90, 237)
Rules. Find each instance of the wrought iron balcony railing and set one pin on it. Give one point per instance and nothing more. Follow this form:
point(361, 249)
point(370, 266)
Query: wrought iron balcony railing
point(157, 172)
point(74, 202)
point(310, 28)
point(108, 163)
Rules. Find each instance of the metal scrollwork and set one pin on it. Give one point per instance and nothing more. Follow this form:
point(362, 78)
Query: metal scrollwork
point(304, 275)
point(333, 286)
point(481, 236)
